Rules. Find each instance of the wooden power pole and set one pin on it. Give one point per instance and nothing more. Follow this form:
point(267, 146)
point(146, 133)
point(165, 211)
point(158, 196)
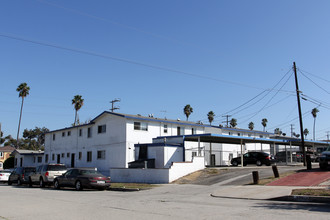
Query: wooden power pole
point(300, 116)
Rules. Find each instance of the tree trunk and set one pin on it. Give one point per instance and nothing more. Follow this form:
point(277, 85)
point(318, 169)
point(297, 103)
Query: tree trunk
point(19, 123)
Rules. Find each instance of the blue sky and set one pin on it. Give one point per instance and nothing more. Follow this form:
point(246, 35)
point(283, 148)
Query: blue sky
point(158, 56)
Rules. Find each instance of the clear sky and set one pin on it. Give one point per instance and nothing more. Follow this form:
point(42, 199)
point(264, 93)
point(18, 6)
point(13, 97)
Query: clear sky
point(233, 57)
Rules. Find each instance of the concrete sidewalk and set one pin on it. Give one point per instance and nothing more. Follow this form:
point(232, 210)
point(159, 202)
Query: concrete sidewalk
point(281, 192)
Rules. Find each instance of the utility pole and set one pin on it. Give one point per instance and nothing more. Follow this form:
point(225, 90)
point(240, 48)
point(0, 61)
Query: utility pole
point(227, 119)
point(113, 106)
point(327, 134)
point(292, 129)
point(300, 116)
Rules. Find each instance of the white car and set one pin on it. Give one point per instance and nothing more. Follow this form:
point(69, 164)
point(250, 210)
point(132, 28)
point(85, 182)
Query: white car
point(4, 175)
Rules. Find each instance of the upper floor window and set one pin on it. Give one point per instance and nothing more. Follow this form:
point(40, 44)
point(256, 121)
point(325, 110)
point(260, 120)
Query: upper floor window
point(54, 137)
point(80, 132)
point(46, 158)
point(63, 134)
point(69, 133)
point(165, 128)
point(101, 129)
point(141, 126)
point(89, 132)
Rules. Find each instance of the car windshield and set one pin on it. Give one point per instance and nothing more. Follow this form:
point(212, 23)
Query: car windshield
point(56, 167)
point(328, 149)
point(86, 172)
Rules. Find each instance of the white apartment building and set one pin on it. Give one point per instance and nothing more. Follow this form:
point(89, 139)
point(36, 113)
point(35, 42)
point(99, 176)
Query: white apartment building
point(108, 140)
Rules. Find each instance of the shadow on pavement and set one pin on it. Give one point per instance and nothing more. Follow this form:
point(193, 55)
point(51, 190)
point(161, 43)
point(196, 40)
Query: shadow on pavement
point(312, 207)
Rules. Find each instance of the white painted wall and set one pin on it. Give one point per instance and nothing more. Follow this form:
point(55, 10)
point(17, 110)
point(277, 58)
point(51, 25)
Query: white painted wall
point(157, 176)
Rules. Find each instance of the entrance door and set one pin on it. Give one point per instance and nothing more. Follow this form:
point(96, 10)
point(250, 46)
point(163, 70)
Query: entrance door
point(213, 160)
point(58, 158)
point(72, 160)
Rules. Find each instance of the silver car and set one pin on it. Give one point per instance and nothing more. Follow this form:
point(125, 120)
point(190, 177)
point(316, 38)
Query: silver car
point(45, 174)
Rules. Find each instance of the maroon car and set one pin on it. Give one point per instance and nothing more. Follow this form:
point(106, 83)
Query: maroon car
point(81, 178)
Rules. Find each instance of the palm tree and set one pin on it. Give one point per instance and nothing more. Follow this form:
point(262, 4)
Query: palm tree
point(277, 131)
point(23, 90)
point(314, 113)
point(187, 111)
point(78, 102)
point(233, 122)
point(306, 132)
point(210, 116)
point(264, 122)
point(251, 125)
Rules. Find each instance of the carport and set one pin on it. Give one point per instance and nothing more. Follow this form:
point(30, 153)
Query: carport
point(241, 140)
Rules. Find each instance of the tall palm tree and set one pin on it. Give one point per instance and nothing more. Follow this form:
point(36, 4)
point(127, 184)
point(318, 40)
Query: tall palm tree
point(264, 123)
point(251, 125)
point(306, 132)
point(233, 122)
point(210, 116)
point(23, 91)
point(78, 102)
point(314, 113)
point(187, 111)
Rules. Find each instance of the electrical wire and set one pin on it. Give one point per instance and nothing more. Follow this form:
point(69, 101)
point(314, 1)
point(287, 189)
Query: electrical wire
point(126, 61)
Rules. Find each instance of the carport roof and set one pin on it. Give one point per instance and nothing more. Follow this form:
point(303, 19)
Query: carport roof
point(229, 139)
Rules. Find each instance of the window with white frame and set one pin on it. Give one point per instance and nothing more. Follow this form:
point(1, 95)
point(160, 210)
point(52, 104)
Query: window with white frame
point(142, 126)
point(101, 129)
point(101, 154)
point(165, 128)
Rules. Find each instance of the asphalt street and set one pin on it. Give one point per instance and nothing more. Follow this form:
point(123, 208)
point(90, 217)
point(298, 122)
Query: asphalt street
point(170, 201)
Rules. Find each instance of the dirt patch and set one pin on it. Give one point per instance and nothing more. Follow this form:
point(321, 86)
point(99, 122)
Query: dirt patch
point(201, 174)
point(311, 192)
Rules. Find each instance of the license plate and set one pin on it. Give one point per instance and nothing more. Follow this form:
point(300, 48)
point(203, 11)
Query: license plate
point(100, 182)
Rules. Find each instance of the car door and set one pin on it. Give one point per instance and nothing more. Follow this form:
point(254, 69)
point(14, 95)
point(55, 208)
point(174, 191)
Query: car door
point(64, 179)
point(73, 177)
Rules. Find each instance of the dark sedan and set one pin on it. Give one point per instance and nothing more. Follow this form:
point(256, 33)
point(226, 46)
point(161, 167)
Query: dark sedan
point(81, 178)
point(257, 158)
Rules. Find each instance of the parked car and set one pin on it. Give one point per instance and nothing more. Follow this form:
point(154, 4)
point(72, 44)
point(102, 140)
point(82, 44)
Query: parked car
point(324, 159)
point(81, 178)
point(20, 175)
point(4, 175)
point(257, 158)
point(45, 174)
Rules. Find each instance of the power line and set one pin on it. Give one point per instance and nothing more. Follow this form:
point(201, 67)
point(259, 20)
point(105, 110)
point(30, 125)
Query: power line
point(314, 83)
point(126, 61)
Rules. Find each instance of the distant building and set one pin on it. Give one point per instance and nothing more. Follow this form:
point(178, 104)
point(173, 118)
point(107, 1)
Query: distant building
point(5, 154)
point(27, 158)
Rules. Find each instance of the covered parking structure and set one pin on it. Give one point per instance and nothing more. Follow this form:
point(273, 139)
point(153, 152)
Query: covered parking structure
point(241, 140)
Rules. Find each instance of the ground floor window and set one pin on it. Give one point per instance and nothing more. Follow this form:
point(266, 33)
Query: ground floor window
point(101, 154)
point(89, 156)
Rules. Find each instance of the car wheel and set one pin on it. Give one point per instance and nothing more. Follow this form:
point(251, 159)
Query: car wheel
point(56, 184)
point(78, 186)
point(9, 182)
point(244, 164)
point(19, 182)
point(234, 163)
point(41, 183)
point(258, 163)
point(323, 167)
point(30, 182)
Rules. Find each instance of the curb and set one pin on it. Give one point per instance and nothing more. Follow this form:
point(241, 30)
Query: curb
point(316, 199)
point(124, 189)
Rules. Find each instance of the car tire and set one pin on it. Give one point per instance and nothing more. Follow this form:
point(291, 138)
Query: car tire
point(19, 182)
point(323, 167)
point(56, 184)
point(78, 186)
point(9, 182)
point(258, 163)
point(42, 183)
point(234, 163)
